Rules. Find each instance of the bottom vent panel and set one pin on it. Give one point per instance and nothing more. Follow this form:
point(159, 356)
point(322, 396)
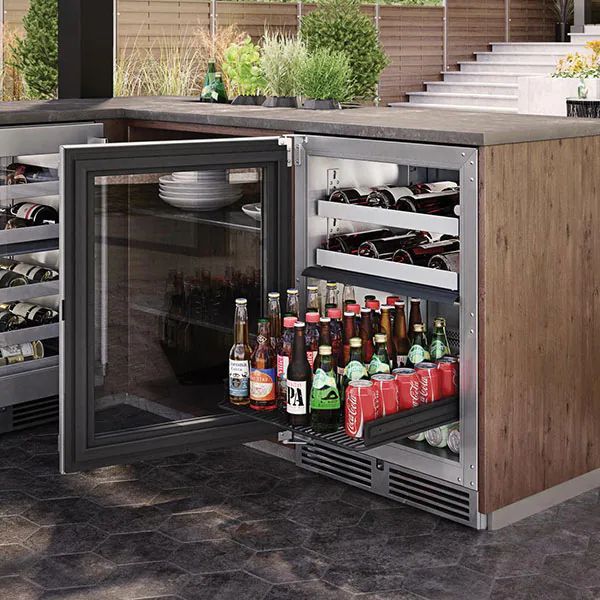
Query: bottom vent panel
point(29, 414)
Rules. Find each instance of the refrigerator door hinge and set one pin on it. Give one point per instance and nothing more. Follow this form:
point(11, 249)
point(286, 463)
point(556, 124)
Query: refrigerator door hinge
point(295, 148)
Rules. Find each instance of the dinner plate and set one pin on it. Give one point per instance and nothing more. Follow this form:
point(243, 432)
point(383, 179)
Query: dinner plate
point(234, 195)
point(253, 211)
point(199, 187)
point(209, 174)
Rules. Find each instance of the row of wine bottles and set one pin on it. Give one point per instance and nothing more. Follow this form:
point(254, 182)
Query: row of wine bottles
point(19, 173)
point(18, 353)
point(20, 315)
point(19, 273)
point(27, 214)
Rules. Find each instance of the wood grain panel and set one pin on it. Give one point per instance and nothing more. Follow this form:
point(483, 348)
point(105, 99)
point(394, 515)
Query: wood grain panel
point(531, 20)
point(539, 317)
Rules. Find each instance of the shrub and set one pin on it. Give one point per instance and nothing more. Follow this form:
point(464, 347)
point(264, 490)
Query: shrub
point(281, 59)
point(339, 24)
point(241, 66)
point(35, 55)
point(325, 75)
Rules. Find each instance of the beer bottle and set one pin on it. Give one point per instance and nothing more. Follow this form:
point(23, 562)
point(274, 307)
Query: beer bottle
point(385, 326)
point(299, 376)
point(325, 402)
point(313, 302)
point(355, 368)
point(331, 294)
point(283, 359)
point(239, 356)
point(374, 305)
point(262, 370)
point(401, 341)
point(324, 340)
point(312, 337)
point(209, 80)
point(366, 334)
point(348, 295)
point(368, 299)
point(439, 341)
point(274, 316)
point(349, 331)
point(418, 352)
point(414, 317)
point(380, 362)
point(335, 328)
point(292, 304)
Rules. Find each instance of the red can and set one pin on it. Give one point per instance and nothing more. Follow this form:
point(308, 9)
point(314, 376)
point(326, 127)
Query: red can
point(362, 406)
point(407, 382)
point(387, 390)
point(448, 368)
point(430, 382)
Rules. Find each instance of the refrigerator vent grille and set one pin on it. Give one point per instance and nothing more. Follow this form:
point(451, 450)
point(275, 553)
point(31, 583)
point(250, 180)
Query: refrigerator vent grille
point(34, 413)
point(432, 495)
point(349, 467)
point(454, 340)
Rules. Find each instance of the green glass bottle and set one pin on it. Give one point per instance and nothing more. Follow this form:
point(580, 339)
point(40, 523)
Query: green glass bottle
point(439, 341)
point(380, 361)
point(418, 352)
point(209, 80)
point(325, 401)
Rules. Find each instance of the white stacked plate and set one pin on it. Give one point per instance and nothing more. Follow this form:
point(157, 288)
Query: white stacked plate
point(198, 190)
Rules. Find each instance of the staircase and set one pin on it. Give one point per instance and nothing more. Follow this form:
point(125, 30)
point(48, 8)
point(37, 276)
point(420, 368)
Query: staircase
point(490, 82)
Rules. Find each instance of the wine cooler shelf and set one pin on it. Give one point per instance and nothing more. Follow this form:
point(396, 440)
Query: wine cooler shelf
point(32, 290)
point(376, 433)
point(29, 380)
point(28, 334)
point(37, 238)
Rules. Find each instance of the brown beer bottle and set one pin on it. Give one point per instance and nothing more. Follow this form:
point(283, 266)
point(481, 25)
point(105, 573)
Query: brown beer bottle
point(385, 326)
point(299, 377)
point(349, 331)
point(324, 340)
point(274, 316)
point(263, 375)
point(400, 336)
point(335, 328)
point(239, 356)
point(312, 337)
point(366, 334)
point(374, 305)
point(414, 317)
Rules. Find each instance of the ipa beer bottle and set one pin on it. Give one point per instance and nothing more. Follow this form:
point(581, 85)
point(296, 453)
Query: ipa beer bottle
point(366, 334)
point(325, 402)
point(292, 305)
point(414, 317)
point(418, 352)
point(401, 341)
point(263, 376)
point(312, 337)
point(299, 376)
point(380, 362)
point(284, 352)
point(439, 341)
point(239, 356)
point(274, 316)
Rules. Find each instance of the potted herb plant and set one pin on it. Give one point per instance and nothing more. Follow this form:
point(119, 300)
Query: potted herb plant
point(281, 59)
point(324, 79)
point(241, 66)
point(564, 14)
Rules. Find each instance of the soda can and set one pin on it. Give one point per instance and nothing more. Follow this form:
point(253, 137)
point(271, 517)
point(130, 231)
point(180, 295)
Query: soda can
point(438, 436)
point(448, 367)
point(407, 382)
point(417, 437)
point(429, 382)
point(387, 390)
point(362, 406)
point(454, 439)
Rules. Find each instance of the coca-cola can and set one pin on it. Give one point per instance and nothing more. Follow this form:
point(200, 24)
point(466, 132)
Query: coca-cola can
point(362, 406)
point(429, 382)
point(407, 382)
point(448, 368)
point(387, 390)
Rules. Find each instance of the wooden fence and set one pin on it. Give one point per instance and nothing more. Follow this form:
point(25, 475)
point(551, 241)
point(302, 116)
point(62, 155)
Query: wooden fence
point(415, 39)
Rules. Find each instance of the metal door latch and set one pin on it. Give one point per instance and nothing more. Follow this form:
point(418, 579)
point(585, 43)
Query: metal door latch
point(287, 438)
point(294, 147)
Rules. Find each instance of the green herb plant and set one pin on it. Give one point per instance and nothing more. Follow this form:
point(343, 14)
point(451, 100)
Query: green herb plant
point(340, 25)
point(325, 75)
point(241, 67)
point(281, 59)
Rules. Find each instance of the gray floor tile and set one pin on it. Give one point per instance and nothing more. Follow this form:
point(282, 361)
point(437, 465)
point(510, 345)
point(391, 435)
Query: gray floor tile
point(211, 556)
point(119, 472)
point(448, 583)
point(230, 459)
point(147, 546)
point(308, 590)
point(503, 560)
point(198, 526)
point(14, 503)
point(270, 534)
point(41, 444)
point(65, 539)
point(402, 521)
point(144, 580)
point(178, 476)
point(15, 479)
point(14, 530)
point(14, 558)
point(52, 487)
point(370, 575)
point(307, 489)
point(238, 483)
point(123, 493)
point(13, 457)
point(346, 544)
point(577, 570)
point(287, 566)
point(234, 585)
point(65, 510)
point(536, 587)
point(581, 519)
point(127, 519)
point(179, 459)
point(422, 551)
point(330, 514)
point(17, 588)
point(252, 507)
point(184, 500)
point(42, 464)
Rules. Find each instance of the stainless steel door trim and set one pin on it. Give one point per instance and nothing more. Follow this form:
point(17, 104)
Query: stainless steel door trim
point(45, 139)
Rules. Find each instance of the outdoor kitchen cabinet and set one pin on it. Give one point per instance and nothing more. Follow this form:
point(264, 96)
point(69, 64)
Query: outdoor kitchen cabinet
point(522, 311)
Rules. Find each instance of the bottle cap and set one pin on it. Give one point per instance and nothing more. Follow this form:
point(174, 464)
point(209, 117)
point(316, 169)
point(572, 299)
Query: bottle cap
point(369, 297)
point(312, 288)
point(325, 320)
point(365, 310)
point(355, 308)
point(273, 295)
point(312, 317)
point(440, 321)
point(380, 338)
point(386, 307)
point(289, 321)
point(415, 299)
point(263, 320)
point(334, 313)
point(355, 343)
point(400, 303)
point(349, 313)
point(292, 292)
point(299, 324)
point(419, 327)
point(325, 350)
point(373, 304)
point(391, 300)
point(241, 301)
point(331, 284)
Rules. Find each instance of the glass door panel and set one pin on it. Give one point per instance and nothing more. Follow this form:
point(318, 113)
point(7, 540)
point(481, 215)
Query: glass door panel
point(159, 240)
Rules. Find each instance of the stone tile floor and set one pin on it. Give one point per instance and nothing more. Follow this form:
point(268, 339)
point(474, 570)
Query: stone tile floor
point(240, 525)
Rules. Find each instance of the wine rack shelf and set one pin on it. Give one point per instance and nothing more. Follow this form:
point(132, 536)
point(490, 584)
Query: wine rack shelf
point(376, 433)
point(28, 191)
point(32, 290)
point(29, 334)
point(28, 381)
point(29, 239)
point(388, 218)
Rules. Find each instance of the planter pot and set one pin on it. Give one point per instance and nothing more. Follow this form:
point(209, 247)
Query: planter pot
point(280, 102)
point(586, 109)
point(248, 100)
point(321, 105)
point(561, 31)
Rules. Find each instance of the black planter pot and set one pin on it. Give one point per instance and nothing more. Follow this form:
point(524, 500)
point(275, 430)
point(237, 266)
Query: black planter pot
point(248, 100)
point(561, 31)
point(280, 102)
point(321, 105)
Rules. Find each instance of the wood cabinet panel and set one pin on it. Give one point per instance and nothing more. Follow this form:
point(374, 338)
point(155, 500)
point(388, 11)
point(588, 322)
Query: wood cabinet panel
point(539, 317)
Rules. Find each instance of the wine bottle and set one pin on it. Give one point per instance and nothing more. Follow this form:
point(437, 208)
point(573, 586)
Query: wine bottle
point(8, 321)
point(17, 353)
point(33, 313)
point(34, 273)
point(38, 214)
point(10, 279)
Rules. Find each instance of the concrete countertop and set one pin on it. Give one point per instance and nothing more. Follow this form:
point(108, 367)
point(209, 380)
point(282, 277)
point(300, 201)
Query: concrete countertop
point(410, 123)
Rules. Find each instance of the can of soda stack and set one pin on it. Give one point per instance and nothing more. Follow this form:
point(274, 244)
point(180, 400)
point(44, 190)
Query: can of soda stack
point(448, 368)
point(429, 382)
point(387, 390)
point(407, 382)
point(362, 405)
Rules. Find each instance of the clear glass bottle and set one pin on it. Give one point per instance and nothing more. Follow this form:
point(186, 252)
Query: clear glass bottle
point(292, 303)
point(274, 316)
point(239, 356)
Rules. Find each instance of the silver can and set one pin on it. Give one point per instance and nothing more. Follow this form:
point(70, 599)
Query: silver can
point(438, 436)
point(417, 437)
point(454, 439)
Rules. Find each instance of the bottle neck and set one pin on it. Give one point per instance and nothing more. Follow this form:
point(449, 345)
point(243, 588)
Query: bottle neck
point(326, 363)
point(241, 325)
point(298, 346)
point(356, 354)
point(325, 335)
point(400, 324)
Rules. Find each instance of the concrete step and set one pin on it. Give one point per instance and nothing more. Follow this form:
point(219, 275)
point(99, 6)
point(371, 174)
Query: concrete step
point(465, 108)
point(551, 47)
point(591, 29)
point(545, 58)
point(470, 87)
point(506, 67)
point(582, 38)
point(484, 77)
point(486, 100)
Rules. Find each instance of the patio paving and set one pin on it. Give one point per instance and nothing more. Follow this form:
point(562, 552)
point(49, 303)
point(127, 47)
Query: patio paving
point(237, 524)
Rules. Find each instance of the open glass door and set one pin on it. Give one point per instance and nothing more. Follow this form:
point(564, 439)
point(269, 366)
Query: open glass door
point(157, 239)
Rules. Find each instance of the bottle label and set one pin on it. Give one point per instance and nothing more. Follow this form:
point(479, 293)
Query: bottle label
point(311, 356)
point(378, 366)
point(417, 354)
point(355, 370)
point(438, 349)
point(402, 360)
point(283, 363)
point(324, 395)
point(297, 399)
point(239, 375)
point(26, 210)
point(28, 271)
point(25, 310)
point(262, 384)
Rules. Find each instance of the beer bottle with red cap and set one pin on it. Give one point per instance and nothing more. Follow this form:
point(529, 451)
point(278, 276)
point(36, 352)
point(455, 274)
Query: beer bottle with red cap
point(335, 330)
point(374, 305)
point(380, 362)
point(299, 376)
point(312, 336)
point(366, 334)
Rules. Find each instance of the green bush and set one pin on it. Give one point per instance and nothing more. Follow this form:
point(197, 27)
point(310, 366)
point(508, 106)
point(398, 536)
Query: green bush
point(325, 75)
point(340, 25)
point(35, 55)
point(281, 60)
point(241, 67)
